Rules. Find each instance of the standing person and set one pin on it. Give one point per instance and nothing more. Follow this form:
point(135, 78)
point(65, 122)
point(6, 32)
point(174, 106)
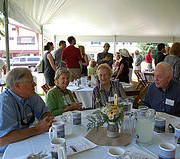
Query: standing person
point(85, 61)
point(123, 72)
point(130, 61)
point(160, 55)
point(2, 67)
point(105, 57)
point(174, 61)
point(167, 50)
point(19, 106)
point(149, 59)
point(49, 66)
point(138, 60)
point(72, 57)
point(57, 55)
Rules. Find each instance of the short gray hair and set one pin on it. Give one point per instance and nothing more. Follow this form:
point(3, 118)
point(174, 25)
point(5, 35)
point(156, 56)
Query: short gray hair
point(60, 72)
point(168, 68)
point(16, 75)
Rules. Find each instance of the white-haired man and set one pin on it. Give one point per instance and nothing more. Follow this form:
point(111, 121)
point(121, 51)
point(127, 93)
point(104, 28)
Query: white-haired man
point(138, 60)
point(163, 94)
point(19, 105)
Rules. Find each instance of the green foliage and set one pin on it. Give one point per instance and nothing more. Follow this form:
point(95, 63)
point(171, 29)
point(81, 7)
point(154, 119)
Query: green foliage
point(145, 46)
point(2, 33)
point(98, 118)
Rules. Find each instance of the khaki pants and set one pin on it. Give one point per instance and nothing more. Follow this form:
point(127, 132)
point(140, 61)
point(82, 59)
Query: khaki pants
point(75, 73)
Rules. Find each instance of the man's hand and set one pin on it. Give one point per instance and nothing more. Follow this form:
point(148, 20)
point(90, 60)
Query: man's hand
point(44, 124)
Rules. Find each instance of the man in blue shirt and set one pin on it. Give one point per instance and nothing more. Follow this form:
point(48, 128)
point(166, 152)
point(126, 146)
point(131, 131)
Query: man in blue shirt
point(19, 105)
point(163, 94)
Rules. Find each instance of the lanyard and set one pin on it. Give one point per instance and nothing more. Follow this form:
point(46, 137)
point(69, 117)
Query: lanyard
point(23, 123)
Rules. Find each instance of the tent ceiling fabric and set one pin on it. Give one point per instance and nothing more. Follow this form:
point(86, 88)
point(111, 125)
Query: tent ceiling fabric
point(130, 20)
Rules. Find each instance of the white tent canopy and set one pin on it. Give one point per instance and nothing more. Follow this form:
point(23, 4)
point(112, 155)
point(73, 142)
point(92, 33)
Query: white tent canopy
point(101, 20)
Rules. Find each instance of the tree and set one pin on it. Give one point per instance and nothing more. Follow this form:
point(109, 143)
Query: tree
point(2, 33)
point(145, 46)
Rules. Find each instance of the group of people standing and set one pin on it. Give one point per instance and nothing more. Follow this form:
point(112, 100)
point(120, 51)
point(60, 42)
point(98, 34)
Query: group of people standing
point(73, 59)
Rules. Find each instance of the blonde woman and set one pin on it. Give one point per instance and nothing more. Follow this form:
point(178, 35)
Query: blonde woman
point(106, 88)
point(85, 61)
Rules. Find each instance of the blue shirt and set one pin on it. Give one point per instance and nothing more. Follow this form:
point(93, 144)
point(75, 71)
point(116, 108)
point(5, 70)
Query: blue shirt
point(100, 96)
point(162, 101)
point(14, 108)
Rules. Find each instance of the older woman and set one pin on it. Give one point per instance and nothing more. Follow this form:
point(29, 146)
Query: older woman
point(59, 99)
point(123, 72)
point(106, 88)
point(174, 60)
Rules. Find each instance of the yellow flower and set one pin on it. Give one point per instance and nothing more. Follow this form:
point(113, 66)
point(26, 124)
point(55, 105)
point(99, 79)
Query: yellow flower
point(113, 106)
point(112, 112)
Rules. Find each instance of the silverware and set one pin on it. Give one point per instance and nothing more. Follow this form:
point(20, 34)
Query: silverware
point(37, 156)
point(73, 148)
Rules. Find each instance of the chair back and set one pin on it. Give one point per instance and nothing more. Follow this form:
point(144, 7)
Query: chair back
point(141, 81)
point(45, 88)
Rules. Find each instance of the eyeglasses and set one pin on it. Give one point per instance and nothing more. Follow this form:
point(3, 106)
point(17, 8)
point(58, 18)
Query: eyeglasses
point(32, 82)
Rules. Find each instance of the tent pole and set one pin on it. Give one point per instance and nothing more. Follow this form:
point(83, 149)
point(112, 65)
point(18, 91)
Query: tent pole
point(55, 42)
point(114, 39)
point(6, 33)
point(42, 43)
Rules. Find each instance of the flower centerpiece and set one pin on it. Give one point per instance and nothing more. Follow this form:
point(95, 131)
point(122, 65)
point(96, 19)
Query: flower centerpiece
point(109, 113)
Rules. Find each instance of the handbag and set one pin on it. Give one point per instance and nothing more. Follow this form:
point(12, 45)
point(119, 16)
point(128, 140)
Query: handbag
point(40, 67)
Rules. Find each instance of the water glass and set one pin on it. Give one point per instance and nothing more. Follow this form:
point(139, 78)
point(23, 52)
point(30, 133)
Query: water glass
point(84, 81)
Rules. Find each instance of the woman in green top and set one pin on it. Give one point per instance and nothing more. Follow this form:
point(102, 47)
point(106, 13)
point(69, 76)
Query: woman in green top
point(59, 99)
point(92, 69)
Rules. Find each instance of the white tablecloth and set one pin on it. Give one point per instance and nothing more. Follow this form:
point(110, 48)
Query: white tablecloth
point(84, 93)
point(36, 144)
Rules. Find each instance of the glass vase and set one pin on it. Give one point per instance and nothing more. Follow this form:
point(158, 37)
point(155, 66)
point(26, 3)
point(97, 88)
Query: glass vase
point(113, 129)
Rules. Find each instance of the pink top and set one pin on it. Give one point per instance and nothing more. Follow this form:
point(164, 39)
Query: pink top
point(148, 58)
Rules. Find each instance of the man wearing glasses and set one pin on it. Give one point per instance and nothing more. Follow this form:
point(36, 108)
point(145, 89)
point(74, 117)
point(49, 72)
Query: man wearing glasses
point(19, 106)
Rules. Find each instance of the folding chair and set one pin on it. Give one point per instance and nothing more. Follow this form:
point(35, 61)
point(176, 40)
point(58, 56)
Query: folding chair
point(138, 97)
point(141, 81)
point(149, 77)
point(45, 88)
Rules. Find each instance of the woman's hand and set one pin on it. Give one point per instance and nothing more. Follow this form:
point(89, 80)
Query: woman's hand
point(73, 106)
point(76, 106)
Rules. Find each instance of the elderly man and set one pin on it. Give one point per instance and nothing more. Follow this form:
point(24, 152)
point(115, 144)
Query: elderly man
point(19, 105)
point(163, 94)
point(138, 60)
point(105, 57)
